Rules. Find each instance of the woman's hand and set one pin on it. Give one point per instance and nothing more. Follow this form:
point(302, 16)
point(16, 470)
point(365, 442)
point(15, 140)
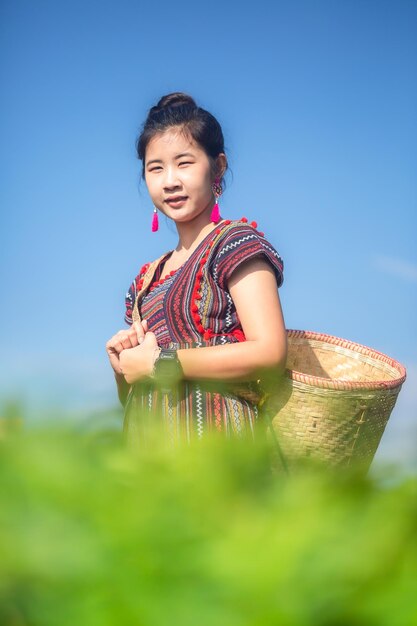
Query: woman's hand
point(138, 362)
point(123, 340)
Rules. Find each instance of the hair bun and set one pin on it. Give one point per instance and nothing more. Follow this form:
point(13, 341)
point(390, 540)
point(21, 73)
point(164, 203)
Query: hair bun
point(179, 111)
point(175, 99)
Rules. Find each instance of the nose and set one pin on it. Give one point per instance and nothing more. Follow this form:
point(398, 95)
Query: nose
point(171, 180)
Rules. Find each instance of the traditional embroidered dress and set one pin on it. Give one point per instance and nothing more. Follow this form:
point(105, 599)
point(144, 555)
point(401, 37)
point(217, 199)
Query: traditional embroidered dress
point(191, 308)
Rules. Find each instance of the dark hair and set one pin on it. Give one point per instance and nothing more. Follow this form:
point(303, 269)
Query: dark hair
point(179, 109)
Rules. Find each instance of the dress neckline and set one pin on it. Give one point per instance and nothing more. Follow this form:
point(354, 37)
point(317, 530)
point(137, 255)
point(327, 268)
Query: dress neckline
point(169, 253)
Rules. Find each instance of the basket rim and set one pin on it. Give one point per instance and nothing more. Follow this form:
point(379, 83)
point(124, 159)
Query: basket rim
point(345, 385)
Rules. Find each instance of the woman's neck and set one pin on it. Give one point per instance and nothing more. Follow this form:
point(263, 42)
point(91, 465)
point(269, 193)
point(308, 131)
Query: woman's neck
point(191, 233)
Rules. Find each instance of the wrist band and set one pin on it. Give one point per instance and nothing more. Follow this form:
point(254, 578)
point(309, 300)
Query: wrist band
point(167, 370)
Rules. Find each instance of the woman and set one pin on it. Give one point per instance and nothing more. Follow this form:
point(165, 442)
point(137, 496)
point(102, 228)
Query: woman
point(206, 320)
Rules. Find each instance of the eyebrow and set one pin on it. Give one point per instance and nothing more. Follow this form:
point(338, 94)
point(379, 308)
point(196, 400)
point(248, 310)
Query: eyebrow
point(183, 154)
point(179, 156)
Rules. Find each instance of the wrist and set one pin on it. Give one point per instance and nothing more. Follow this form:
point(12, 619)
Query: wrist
point(167, 371)
point(155, 357)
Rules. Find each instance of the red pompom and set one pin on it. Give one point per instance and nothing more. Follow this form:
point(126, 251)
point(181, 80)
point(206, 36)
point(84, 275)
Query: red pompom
point(239, 335)
point(244, 220)
point(254, 224)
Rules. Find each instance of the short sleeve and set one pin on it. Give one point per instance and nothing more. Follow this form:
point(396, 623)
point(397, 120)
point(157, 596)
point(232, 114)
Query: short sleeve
point(238, 246)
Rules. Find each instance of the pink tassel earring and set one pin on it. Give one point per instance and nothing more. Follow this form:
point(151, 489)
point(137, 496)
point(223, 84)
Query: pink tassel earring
point(155, 221)
point(215, 212)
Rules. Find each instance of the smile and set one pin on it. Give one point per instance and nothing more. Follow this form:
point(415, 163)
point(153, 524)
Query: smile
point(176, 201)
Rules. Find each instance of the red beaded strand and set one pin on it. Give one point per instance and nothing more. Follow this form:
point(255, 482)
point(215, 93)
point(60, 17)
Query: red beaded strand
point(161, 281)
point(140, 277)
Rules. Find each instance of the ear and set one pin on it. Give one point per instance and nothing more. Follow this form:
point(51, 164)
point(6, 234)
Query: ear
point(221, 164)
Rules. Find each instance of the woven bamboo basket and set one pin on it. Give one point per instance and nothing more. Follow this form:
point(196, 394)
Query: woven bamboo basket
point(334, 400)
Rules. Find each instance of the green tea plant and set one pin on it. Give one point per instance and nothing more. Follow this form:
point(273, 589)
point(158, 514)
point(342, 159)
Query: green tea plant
point(96, 532)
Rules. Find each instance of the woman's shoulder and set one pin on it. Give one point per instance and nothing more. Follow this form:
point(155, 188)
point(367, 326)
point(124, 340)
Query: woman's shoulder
point(149, 267)
point(140, 281)
point(238, 225)
point(240, 230)
point(238, 241)
point(240, 233)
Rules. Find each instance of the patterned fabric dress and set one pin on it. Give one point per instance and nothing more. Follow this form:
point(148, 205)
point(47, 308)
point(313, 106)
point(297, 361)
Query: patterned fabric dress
point(192, 308)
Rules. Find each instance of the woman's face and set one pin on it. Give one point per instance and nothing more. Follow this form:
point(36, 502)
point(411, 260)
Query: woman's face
point(179, 176)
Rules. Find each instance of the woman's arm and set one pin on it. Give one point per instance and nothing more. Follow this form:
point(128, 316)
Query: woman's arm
point(122, 388)
point(254, 291)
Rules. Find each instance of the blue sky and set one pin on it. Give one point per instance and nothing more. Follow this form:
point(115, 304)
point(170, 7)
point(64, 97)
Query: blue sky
point(318, 104)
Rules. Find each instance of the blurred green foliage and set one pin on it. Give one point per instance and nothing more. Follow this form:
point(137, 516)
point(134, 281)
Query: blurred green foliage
point(95, 532)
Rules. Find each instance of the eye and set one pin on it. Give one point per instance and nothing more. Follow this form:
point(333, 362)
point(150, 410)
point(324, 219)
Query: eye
point(155, 168)
point(185, 163)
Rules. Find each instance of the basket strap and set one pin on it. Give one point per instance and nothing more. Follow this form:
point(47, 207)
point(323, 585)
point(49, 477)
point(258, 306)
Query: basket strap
point(147, 279)
point(268, 419)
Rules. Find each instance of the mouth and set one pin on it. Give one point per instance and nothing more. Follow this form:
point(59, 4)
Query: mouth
point(175, 201)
